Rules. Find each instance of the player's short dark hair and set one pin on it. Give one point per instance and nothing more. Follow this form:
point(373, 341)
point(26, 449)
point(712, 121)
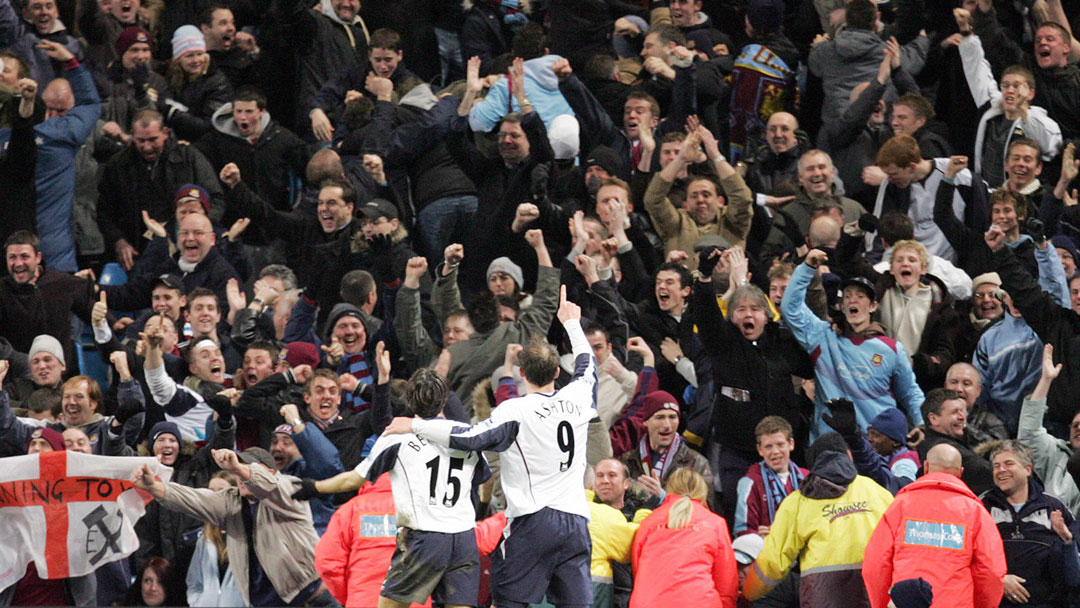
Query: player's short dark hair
point(44, 399)
point(348, 192)
point(1025, 141)
point(773, 424)
point(201, 292)
point(920, 105)
point(190, 349)
point(322, 372)
point(594, 327)
point(934, 400)
point(206, 16)
point(385, 38)
point(895, 227)
point(668, 33)
point(599, 67)
point(23, 70)
point(427, 392)
point(539, 361)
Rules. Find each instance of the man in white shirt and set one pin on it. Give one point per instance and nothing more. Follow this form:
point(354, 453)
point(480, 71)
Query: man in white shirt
point(546, 546)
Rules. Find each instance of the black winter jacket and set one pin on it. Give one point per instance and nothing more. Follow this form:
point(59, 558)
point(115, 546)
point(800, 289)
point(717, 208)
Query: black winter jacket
point(129, 185)
point(752, 379)
point(265, 166)
point(202, 97)
point(1033, 551)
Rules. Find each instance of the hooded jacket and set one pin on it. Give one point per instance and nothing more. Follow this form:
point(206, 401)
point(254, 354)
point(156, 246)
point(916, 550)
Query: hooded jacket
point(541, 88)
point(266, 165)
point(168, 533)
point(853, 57)
point(871, 371)
point(825, 524)
point(938, 530)
point(1033, 551)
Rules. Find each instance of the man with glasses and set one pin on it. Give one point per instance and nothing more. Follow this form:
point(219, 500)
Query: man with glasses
point(1007, 113)
point(197, 262)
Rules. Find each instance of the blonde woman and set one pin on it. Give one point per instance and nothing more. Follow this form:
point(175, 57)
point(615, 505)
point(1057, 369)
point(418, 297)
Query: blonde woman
point(682, 551)
point(196, 89)
point(210, 579)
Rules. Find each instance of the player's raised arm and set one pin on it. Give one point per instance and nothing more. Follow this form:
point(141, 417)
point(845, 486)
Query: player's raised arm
point(569, 314)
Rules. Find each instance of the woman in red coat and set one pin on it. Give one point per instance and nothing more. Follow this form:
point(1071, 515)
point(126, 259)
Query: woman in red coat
point(682, 552)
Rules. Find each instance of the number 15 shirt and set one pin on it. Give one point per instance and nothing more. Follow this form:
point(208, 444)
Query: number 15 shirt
point(542, 438)
point(432, 484)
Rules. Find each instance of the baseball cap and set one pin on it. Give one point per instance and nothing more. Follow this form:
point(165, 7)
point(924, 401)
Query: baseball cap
point(379, 207)
point(862, 283)
point(259, 455)
point(169, 280)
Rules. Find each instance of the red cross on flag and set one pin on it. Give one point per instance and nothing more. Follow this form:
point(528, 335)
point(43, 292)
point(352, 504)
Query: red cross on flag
point(68, 512)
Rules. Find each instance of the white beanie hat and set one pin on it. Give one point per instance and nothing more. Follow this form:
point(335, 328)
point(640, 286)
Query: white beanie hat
point(48, 344)
point(187, 39)
point(564, 136)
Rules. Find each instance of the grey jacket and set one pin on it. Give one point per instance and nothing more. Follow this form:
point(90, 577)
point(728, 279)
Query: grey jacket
point(473, 360)
point(1051, 453)
point(284, 537)
point(854, 57)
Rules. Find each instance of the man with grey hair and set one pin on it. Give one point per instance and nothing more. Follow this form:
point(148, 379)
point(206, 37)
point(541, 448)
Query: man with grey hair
point(1034, 527)
point(817, 185)
point(753, 358)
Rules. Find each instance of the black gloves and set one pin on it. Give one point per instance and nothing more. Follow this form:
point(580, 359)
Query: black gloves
point(223, 407)
point(380, 244)
point(706, 261)
point(539, 181)
point(869, 222)
point(128, 408)
point(841, 417)
point(307, 490)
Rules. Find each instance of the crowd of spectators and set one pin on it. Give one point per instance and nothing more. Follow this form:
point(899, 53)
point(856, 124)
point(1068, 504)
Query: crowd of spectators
point(824, 254)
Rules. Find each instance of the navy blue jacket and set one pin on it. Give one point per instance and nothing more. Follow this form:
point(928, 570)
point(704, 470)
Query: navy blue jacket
point(1033, 550)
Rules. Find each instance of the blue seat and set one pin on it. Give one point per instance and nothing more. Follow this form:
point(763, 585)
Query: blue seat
point(113, 274)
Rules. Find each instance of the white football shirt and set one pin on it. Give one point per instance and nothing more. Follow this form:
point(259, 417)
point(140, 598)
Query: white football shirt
point(432, 484)
point(542, 438)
